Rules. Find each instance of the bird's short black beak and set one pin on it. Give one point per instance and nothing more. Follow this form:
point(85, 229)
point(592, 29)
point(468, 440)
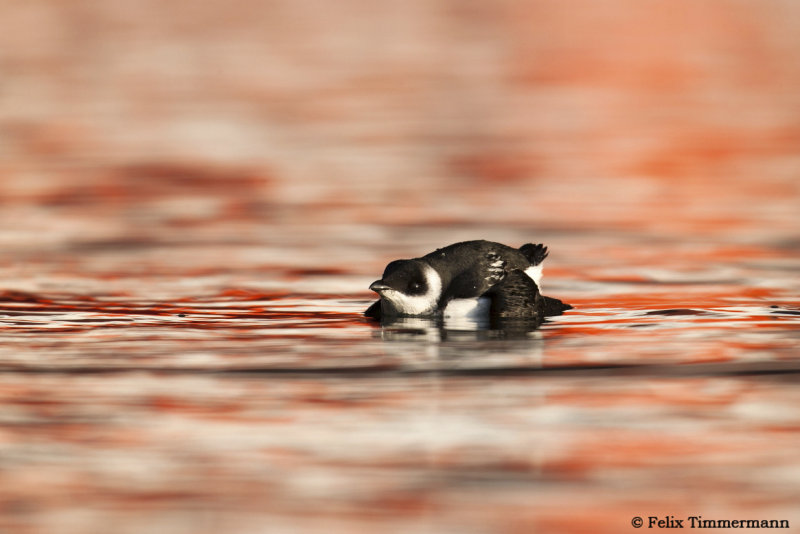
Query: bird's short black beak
point(377, 286)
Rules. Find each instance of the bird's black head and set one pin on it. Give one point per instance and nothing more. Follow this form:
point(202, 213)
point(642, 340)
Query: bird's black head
point(404, 276)
point(409, 287)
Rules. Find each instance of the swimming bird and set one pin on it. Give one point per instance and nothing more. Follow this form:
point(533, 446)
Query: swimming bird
point(471, 279)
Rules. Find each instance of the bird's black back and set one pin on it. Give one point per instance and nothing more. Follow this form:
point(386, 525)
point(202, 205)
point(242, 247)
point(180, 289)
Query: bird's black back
point(468, 269)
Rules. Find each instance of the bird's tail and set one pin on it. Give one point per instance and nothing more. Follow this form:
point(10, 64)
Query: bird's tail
point(535, 253)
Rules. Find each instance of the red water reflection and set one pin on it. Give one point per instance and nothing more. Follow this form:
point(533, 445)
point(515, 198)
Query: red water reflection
point(194, 197)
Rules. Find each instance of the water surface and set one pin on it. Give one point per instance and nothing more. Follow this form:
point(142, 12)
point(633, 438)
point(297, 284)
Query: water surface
point(193, 205)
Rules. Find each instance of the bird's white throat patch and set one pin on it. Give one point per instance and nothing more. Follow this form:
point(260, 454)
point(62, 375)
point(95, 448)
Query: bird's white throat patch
point(394, 302)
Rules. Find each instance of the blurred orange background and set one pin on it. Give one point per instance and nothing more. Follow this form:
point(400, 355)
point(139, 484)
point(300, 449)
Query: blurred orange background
point(190, 189)
point(676, 115)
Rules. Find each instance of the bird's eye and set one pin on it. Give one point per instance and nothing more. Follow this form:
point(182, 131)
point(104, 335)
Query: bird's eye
point(414, 287)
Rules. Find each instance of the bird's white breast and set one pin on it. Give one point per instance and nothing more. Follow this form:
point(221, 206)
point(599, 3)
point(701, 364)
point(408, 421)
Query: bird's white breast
point(474, 308)
point(467, 314)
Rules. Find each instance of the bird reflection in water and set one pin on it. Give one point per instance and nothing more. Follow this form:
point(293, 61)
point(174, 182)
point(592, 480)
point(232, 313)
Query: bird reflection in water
point(444, 329)
point(460, 347)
